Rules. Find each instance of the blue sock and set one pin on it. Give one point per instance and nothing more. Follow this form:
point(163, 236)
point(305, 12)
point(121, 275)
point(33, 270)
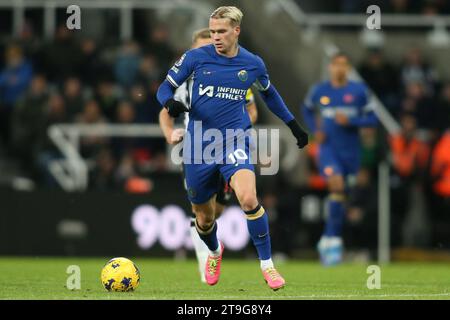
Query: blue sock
point(209, 236)
point(258, 227)
point(335, 221)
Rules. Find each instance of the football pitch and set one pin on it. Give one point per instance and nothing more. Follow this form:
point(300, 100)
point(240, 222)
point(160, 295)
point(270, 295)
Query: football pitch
point(45, 278)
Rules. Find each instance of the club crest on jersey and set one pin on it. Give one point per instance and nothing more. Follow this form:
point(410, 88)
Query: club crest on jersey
point(192, 193)
point(348, 98)
point(324, 100)
point(243, 75)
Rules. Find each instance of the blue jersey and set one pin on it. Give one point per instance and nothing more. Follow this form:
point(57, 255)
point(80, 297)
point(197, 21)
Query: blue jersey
point(352, 99)
point(217, 88)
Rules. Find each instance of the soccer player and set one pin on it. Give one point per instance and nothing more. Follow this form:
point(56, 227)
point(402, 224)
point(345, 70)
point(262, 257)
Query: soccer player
point(221, 75)
point(173, 136)
point(334, 110)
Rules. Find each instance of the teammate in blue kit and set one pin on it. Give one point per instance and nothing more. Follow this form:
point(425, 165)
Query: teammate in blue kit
point(220, 75)
point(334, 111)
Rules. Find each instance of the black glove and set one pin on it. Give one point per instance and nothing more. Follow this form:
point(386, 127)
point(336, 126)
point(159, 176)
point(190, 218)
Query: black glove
point(175, 108)
point(299, 133)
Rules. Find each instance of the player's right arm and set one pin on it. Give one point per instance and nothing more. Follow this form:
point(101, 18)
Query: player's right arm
point(179, 73)
point(166, 123)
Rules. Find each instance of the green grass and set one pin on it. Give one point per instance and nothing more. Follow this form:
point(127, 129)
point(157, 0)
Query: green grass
point(45, 278)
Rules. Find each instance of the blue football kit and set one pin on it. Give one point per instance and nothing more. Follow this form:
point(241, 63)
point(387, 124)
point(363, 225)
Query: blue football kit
point(216, 141)
point(340, 152)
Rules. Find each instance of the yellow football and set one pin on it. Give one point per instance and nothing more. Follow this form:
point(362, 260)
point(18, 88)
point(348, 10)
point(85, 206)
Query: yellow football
point(120, 274)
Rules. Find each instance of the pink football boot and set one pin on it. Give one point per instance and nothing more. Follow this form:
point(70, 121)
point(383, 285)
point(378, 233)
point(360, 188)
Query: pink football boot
point(212, 269)
point(273, 279)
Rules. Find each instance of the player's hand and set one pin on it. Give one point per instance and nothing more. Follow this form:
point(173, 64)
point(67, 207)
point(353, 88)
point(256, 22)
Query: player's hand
point(299, 133)
point(176, 136)
point(341, 119)
point(175, 108)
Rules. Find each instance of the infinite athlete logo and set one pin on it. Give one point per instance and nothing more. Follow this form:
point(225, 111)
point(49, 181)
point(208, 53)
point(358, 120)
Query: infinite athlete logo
point(222, 92)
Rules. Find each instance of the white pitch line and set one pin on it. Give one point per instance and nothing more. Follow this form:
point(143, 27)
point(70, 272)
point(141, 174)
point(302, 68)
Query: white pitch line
point(348, 296)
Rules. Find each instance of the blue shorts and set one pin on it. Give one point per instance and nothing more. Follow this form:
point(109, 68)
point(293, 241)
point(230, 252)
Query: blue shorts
point(203, 180)
point(332, 162)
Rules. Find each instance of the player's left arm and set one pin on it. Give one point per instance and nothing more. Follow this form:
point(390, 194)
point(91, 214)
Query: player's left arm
point(277, 106)
point(251, 106)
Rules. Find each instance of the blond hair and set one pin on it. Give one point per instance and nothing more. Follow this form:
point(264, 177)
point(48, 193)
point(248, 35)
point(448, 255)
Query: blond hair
point(201, 34)
point(234, 14)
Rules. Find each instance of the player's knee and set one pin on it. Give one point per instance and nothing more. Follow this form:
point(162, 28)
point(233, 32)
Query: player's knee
point(205, 221)
point(248, 201)
point(205, 218)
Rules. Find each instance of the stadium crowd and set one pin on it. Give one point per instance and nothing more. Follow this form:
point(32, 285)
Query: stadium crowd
point(71, 80)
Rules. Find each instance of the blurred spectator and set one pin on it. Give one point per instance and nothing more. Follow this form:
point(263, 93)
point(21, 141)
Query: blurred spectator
point(409, 159)
point(440, 198)
point(126, 169)
point(416, 69)
point(73, 97)
point(14, 80)
point(440, 166)
point(443, 113)
point(124, 145)
point(31, 45)
point(103, 175)
point(420, 104)
point(139, 98)
point(360, 229)
point(127, 64)
point(402, 6)
point(46, 150)
point(382, 78)
point(107, 96)
point(158, 46)
point(430, 8)
point(90, 145)
point(91, 65)
point(29, 117)
point(62, 56)
point(409, 154)
point(149, 70)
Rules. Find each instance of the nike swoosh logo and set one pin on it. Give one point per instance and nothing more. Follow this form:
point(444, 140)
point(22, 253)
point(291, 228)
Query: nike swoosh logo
point(262, 235)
